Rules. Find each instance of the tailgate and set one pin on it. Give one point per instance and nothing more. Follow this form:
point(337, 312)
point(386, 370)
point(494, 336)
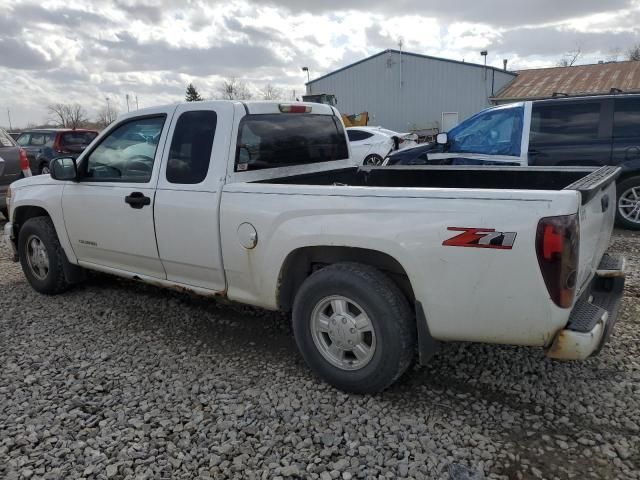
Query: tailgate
point(596, 218)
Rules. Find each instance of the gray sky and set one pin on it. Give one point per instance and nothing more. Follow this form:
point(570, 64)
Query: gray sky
point(68, 51)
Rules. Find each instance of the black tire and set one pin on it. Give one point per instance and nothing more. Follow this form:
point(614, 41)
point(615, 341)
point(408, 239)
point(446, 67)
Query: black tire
point(373, 160)
point(622, 188)
point(389, 313)
point(54, 280)
point(5, 212)
point(43, 165)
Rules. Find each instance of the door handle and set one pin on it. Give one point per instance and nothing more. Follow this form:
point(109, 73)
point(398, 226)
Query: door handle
point(137, 200)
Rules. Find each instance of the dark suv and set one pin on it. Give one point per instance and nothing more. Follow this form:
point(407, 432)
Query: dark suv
point(42, 145)
point(569, 131)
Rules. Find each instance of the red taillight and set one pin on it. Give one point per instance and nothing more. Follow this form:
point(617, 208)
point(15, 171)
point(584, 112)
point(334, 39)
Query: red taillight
point(557, 241)
point(24, 160)
point(288, 108)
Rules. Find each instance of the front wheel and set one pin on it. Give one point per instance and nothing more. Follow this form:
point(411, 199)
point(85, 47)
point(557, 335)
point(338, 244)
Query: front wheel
point(44, 169)
point(628, 212)
point(373, 160)
point(41, 256)
point(354, 327)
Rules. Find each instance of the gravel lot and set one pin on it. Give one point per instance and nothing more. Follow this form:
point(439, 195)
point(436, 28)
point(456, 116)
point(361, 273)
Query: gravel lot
point(120, 380)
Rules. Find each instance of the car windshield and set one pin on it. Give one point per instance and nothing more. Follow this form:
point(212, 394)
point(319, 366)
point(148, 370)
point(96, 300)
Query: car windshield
point(497, 131)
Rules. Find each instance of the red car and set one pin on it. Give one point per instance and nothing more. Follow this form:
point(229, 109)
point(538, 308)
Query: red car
point(42, 145)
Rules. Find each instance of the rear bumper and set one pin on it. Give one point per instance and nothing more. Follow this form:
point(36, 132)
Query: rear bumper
point(594, 315)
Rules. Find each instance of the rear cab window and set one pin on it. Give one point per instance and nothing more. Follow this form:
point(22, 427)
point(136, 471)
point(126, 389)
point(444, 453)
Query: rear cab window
point(281, 139)
point(190, 152)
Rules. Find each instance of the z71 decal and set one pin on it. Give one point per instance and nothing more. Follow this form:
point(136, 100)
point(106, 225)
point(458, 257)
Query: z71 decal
point(481, 238)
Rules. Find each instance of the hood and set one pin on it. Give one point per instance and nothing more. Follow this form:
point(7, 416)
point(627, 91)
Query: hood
point(34, 181)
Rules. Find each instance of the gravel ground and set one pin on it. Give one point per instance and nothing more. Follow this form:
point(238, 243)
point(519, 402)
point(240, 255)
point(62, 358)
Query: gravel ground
point(121, 380)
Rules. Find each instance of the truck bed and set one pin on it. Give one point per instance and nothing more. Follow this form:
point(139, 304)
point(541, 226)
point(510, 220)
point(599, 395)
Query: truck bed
point(584, 179)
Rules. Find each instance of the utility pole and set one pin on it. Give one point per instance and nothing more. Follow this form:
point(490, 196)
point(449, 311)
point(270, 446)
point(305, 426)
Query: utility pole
point(127, 99)
point(400, 43)
point(108, 110)
point(137, 108)
point(9, 115)
point(484, 53)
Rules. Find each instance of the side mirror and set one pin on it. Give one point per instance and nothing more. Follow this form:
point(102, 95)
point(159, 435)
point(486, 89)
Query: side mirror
point(63, 168)
point(442, 139)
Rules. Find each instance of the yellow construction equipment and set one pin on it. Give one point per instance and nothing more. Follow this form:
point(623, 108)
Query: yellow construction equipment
point(355, 120)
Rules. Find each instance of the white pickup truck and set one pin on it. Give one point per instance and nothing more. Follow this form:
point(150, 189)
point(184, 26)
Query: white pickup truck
point(259, 202)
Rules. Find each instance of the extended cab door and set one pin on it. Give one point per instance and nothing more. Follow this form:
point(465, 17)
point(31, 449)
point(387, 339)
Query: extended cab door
point(188, 196)
point(108, 213)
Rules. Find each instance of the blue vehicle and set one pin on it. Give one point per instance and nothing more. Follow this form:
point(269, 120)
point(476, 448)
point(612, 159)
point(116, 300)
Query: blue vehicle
point(571, 131)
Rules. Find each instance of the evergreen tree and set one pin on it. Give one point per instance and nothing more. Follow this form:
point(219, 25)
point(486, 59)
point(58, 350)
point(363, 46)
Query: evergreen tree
point(192, 94)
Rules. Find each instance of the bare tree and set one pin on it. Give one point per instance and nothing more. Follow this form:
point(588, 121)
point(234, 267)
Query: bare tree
point(634, 53)
point(271, 93)
point(570, 58)
point(77, 116)
point(234, 89)
point(67, 115)
point(58, 114)
point(106, 115)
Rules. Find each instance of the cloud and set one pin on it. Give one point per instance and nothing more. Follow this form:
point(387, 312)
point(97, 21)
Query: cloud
point(85, 51)
point(19, 55)
point(130, 54)
point(493, 12)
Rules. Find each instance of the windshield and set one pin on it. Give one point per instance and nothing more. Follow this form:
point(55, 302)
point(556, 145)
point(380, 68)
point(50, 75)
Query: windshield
point(497, 131)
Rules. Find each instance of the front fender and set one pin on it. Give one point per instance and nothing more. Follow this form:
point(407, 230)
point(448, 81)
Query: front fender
point(41, 193)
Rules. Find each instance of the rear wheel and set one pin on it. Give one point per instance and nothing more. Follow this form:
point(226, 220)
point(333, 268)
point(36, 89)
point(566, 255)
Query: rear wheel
point(354, 327)
point(41, 256)
point(373, 160)
point(628, 212)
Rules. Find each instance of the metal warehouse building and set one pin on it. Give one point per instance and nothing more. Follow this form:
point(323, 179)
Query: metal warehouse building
point(410, 92)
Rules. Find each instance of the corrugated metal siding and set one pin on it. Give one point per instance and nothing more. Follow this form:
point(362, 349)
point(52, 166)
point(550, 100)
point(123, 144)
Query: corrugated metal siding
point(429, 87)
point(579, 79)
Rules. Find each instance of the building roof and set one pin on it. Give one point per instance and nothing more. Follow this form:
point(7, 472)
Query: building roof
point(577, 80)
point(428, 57)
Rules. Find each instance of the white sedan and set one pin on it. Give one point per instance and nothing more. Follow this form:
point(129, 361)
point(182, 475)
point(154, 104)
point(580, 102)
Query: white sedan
point(370, 145)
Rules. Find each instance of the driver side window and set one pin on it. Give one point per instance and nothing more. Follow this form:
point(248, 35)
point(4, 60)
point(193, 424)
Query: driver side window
point(127, 154)
point(493, 132)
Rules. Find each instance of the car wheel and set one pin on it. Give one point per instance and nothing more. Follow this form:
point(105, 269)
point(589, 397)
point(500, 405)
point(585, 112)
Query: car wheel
point(41, 256)
point(628, 202)
point(373, 160)
point(354, 327)
point(44, 169)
